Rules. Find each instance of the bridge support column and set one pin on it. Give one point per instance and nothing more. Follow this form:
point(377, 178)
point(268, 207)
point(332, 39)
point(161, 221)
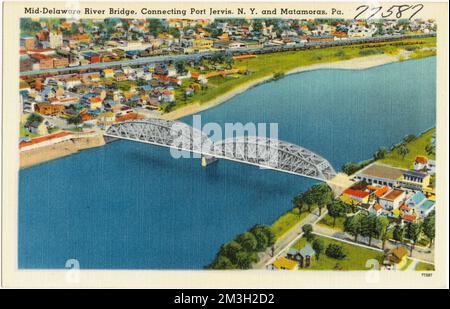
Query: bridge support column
point(207, 160)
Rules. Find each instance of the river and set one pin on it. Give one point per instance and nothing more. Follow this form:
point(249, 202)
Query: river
point(132, 206)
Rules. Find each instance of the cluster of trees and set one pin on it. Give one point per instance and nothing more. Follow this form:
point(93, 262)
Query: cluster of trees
point(242, 252)
point(222, 58)
point(34, 117)
point(402, 149)
point(319, 195)
point(371, 226)
point(335, 251)
point(412, 231)
point(431, 149)
point(332, 250)
point(368, 225)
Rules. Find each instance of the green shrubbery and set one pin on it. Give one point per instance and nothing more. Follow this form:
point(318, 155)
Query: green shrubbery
point(335, 252)
point(242, 252)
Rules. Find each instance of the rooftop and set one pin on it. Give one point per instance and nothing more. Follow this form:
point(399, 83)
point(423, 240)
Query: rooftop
point(285, 263)
point(382, 171)
point(393, 195)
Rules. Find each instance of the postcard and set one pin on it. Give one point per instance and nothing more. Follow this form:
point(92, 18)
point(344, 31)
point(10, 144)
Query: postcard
point(218, 145)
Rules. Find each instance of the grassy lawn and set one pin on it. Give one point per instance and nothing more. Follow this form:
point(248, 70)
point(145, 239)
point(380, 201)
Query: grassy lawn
point(267, 65)
point(416, 147)
point(125, 85)
point(24, 133)
point(405, 267)
point(287, 221)
point(355, 260)
point(328, 222)
point(424, 266)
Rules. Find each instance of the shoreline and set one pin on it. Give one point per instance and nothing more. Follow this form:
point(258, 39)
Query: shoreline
point(59, 150)
point(32, 157)
point(350, 64)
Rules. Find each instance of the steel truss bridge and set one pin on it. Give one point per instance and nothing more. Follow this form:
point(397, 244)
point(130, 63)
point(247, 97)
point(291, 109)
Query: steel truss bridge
point(259, 151)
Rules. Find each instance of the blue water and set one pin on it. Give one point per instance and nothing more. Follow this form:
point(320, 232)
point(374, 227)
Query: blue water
point(132, 206)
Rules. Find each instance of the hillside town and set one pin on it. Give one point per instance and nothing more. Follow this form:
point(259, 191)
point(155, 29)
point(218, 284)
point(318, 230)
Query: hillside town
point(77, 77)
point(94, 97)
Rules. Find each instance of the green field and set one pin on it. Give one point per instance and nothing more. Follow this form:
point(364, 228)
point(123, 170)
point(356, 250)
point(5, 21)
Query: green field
point(24, 132)
point(416, 147)
point(267, 65)
point(287, 221)
point(424, 267)
point(408, 262)
point(327, 221)
point(356, 258)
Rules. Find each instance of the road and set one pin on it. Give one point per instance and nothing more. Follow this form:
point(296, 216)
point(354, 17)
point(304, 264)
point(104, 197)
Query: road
point(266, 49)
point(283, 244)
point(419, 253)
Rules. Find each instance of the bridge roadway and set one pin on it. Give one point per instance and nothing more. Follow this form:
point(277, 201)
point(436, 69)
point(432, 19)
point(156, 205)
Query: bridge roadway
point(254, 150)
point(266, 49)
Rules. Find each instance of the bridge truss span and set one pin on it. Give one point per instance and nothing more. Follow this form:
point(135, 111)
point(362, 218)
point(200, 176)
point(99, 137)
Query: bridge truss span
point(260, 151)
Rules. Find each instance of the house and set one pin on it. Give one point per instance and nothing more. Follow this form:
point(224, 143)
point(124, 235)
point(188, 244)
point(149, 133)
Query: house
point(72, 82)
point(376, 209)
point(38, 128)
point(420, 163)
point(396, 258)
point(421, 205)
point(106, 118)
point(414, 180)
point(379, 174)
point(283, 264)
point(353, 196)
point(92, 57)
point(95, 103)
point(108, 73)
point(306, 254)
point(49, 109)
point(392, 199)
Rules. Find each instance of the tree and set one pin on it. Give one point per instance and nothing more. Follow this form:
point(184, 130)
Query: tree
point(413, 231)
point(180, 66)
point(368, 227)
point(318, 246)
point(222, 262)
point(399, 233)
point(382, 226)
point(429, 228)
point(248, 241)
point(409, 138)
point(350, 168)
point(336, 209)
point(244, 259)
point(34, 117)
point(319, 195)
point(307, 231)
point(229, 61)
point(300, 202)
point(403, 150)
point(230, 250)
point(264, 236)
point(430, 149)
point(335, 251)
point(380, 153)
point(76, 120)
point(353, 224)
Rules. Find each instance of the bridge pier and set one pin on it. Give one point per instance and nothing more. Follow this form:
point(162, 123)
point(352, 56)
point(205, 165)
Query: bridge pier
point(207, 160)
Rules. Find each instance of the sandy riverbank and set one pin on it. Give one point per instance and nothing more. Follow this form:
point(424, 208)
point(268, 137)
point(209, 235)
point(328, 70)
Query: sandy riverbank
point(359, 63)
point(47, 153)
point(43, 154)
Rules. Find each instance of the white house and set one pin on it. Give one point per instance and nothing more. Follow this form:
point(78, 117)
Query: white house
point(392, 199)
